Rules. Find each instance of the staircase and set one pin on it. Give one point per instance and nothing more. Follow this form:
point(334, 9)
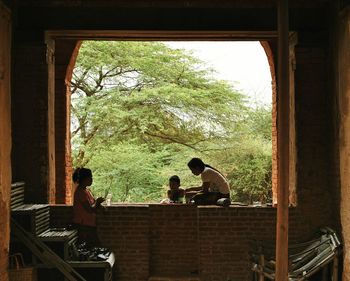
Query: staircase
point(49, 249)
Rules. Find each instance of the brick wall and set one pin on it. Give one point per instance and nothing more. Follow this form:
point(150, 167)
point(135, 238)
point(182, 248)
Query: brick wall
point(140, 235)
point(30, 119)
point(270, 49)
point(163, 240)
point(126, 231)
point(151, 240)
point(314, 140)
point(63, 54)
point(173, 240)
point(137, 233)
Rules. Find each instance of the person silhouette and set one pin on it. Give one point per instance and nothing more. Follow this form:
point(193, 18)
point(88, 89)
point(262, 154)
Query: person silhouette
point(84, 207)
point(214, 185)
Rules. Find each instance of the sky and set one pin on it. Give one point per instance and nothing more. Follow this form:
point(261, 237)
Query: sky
point(243, 64)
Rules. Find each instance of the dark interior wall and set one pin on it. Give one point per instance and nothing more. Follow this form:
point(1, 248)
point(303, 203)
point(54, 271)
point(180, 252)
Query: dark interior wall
point(30, 118)
point(313, 113)
point(165, 14)
point(32, 21)
point(314, 128)
point(311, 90)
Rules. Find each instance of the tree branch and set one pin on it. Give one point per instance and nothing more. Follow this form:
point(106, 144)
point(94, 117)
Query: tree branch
point(170, 139)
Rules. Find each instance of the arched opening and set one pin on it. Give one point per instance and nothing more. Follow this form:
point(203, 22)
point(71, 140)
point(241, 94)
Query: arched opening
point(66, 53)
point(268, 46)
point(270, 49)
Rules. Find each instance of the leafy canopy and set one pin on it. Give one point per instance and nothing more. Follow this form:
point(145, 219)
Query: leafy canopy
point(141, 110)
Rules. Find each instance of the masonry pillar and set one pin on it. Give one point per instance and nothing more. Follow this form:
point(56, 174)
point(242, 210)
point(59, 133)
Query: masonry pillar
point(66, 52)
point(30, 118)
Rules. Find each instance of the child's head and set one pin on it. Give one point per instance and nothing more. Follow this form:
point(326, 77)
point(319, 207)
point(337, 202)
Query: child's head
point(174, 182)
point(82, 176)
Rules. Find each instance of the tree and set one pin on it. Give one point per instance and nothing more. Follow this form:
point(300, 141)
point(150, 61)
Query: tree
point(129, 172)
point(140, 108)
point(116, 83)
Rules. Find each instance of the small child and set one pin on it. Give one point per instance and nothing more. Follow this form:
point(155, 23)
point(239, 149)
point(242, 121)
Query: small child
point(175, 193)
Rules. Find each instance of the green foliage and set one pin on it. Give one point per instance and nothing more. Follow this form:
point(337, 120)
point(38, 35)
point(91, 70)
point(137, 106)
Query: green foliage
point(129, 171)
point(250, 176)
point(141, 110)
point(260, 122)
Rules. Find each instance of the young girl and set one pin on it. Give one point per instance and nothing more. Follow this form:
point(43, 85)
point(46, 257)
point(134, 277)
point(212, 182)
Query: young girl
point(214, 185)
point(84, 207)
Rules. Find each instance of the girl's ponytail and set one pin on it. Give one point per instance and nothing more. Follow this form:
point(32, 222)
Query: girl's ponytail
point(206, 165)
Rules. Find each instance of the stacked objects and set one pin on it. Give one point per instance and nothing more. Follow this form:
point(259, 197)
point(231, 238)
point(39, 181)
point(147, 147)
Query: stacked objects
point(60, 241)
point(17, 194)
point(35, 219)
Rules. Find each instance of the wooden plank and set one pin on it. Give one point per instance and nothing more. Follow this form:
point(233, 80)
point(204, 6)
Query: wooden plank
point(17, 190)
point(17, 199)
point(283, 98)
point(42, 225)
point(160, 35)
point(50, 235)
point(41, 220)
point(16, 205)
point(51, 171)
point(5, 135)
point(30, 208)
point(17, 184)
point(44, 253)
point(42, 215)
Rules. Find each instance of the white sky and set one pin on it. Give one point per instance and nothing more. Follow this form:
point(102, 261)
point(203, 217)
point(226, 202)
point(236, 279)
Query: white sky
point(243, 64)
